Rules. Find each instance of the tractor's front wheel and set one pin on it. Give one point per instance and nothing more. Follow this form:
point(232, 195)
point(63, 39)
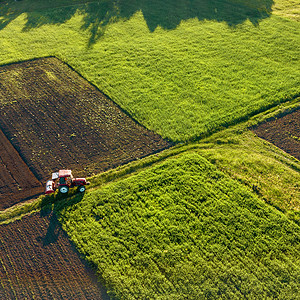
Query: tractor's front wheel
point(81, 189)
point(63, 189)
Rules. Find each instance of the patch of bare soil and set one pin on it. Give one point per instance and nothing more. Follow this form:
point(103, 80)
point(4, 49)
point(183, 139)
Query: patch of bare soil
point(55, 119)
point(283, 132)
point(37, 261)
point(16, 180)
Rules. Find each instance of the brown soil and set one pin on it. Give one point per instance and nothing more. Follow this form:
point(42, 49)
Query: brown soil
point(37, 261)
point(55, 119)
point(16, 180)
point(283, 132)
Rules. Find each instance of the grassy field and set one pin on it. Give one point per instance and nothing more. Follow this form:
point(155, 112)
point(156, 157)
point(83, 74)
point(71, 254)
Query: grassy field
point(267, 170)
point(177, 231)
point(181, 70)
point(289, 9)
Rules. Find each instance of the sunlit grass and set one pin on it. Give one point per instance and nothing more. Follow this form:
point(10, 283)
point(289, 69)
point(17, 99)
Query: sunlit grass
point(287, 8)
point(183, 82)
point(184, 230)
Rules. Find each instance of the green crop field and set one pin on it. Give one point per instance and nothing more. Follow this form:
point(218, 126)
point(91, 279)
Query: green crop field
point(184, 230)
point(181, 68)
point(217, 216)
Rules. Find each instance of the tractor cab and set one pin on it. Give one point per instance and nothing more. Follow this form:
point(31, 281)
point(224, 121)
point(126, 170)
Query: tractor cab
point(64, 177)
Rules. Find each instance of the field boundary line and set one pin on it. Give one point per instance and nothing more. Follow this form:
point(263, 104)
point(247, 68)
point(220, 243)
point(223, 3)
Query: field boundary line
point(33, 205)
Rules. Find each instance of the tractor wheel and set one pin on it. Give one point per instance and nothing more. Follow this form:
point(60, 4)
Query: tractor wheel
point(81, 189)
point(63, 189)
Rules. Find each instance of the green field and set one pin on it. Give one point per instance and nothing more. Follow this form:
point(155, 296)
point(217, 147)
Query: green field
point(217, 216)
point(181, 68)
point(184, 230)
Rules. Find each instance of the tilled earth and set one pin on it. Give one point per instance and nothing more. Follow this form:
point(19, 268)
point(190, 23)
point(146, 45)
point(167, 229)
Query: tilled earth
point(16, 180)
point(55, 119)
point(38, 261)
point(283, 132)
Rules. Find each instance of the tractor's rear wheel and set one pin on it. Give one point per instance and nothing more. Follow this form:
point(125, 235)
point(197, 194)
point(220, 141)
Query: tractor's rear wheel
point(81, 189)
point(63, 189)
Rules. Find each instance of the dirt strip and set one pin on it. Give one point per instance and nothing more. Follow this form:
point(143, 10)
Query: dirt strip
point(16, 180)
point(283, 132)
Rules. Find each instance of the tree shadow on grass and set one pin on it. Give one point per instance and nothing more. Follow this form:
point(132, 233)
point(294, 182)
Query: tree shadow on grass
point(164, 13)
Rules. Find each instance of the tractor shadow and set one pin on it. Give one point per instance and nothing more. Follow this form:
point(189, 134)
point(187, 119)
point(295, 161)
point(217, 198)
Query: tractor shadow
point(158, 13)
point(53, 231)
point(51, 207)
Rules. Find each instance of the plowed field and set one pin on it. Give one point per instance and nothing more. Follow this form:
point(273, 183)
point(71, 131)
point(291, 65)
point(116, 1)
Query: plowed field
point(55, 119)
point(283, 132)
point(37, 261)
point(16, 180)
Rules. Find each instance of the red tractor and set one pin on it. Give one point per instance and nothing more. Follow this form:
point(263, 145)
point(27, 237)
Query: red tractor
point(63, 181)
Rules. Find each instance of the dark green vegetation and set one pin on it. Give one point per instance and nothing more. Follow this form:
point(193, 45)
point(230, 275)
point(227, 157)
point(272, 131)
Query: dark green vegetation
point(181, 68)
point(167, 14)
point(183, 230)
